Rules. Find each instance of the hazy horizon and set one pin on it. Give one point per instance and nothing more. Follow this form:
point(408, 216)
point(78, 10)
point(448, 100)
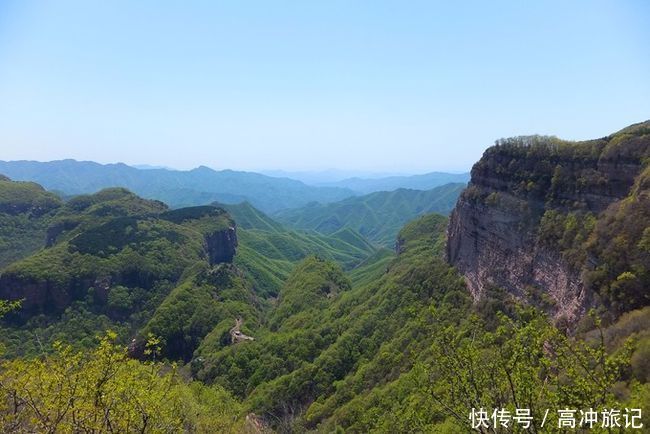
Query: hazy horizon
point(325, 175)
point(368, 87)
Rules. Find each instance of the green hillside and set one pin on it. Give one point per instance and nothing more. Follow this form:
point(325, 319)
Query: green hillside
point(376, 216)
point(115, 260)
point(383, 348)
point(125, 314)
point(268, 251)
point(26, 210)
point(249, 217)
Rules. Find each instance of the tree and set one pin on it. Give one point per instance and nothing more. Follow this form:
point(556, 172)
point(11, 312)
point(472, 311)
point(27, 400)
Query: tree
point(524, 364)
point(105, 391)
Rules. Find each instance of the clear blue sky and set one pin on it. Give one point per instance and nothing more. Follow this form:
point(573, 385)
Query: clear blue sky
point(371, 85)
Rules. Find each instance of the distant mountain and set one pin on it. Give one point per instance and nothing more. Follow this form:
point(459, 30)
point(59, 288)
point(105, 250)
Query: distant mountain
point(177, 188)
point(425, 181)
point(149, 167)
point(321, 177)
point(376, 216)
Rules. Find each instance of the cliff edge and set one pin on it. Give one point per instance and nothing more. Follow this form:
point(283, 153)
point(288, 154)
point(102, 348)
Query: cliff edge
point(564, 225)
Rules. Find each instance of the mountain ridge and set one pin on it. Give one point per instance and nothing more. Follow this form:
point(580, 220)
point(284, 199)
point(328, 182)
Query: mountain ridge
point(377, 216)
point(342, 335)
point(198, 186)
point(425, 181)
point(536, 214)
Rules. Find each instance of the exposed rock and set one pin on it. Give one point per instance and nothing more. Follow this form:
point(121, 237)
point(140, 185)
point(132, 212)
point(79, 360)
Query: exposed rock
point(496, 248)
point(136, 348)
point(47, 296)
point(102, 287)
point(399, 245)
point(221, 245)
point(256, 425)
point(33, 294)
point(494, 231)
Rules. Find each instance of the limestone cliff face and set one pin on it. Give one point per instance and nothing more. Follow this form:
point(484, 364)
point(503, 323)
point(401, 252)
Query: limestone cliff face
point(498, 232)
point(493, 246)
point(221, 245)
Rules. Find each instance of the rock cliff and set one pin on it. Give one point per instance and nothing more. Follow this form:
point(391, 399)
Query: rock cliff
point(221, 245)
point(535, 212)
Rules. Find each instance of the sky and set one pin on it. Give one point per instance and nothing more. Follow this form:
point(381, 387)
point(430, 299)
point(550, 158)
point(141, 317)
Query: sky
point(389, 86)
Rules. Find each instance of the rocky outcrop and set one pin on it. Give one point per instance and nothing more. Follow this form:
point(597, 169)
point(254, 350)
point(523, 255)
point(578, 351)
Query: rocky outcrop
point(221, 245)
point(498, 247)
point(47, 296)
point(496, 234)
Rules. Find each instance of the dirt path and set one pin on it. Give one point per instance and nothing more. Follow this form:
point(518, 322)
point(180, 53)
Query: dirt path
point(236, 335)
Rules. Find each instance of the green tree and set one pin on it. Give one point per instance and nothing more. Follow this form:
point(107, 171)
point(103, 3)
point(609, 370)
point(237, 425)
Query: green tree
point(105, 391)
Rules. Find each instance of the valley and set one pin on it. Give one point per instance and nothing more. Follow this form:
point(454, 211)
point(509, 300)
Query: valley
point(394, 311)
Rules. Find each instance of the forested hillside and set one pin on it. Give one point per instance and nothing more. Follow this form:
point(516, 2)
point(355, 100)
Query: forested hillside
point(377, 216)
point(25, 212)
point(114, 260)
point(120, 314)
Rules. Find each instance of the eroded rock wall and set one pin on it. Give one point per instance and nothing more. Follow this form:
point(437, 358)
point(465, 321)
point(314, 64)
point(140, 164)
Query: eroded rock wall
point(494, 234)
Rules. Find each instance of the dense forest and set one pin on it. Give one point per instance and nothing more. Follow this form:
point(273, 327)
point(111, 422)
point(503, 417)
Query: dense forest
point(377, 216)
point(121, 314)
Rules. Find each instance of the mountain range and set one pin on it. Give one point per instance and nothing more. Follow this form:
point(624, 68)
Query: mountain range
point(122, 314)
point(377, 216)
point(425, 181)
point(199, 186)
point(202, 185)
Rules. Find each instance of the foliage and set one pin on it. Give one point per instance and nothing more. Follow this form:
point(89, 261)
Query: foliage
point(195, 307)
point(329, 350)
point(105, 391)
point(26, 197)
point(621, 244)
point(347, 337)
point(523, 364)
point(376, 216)
point(26, 210)
point(567, 233)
